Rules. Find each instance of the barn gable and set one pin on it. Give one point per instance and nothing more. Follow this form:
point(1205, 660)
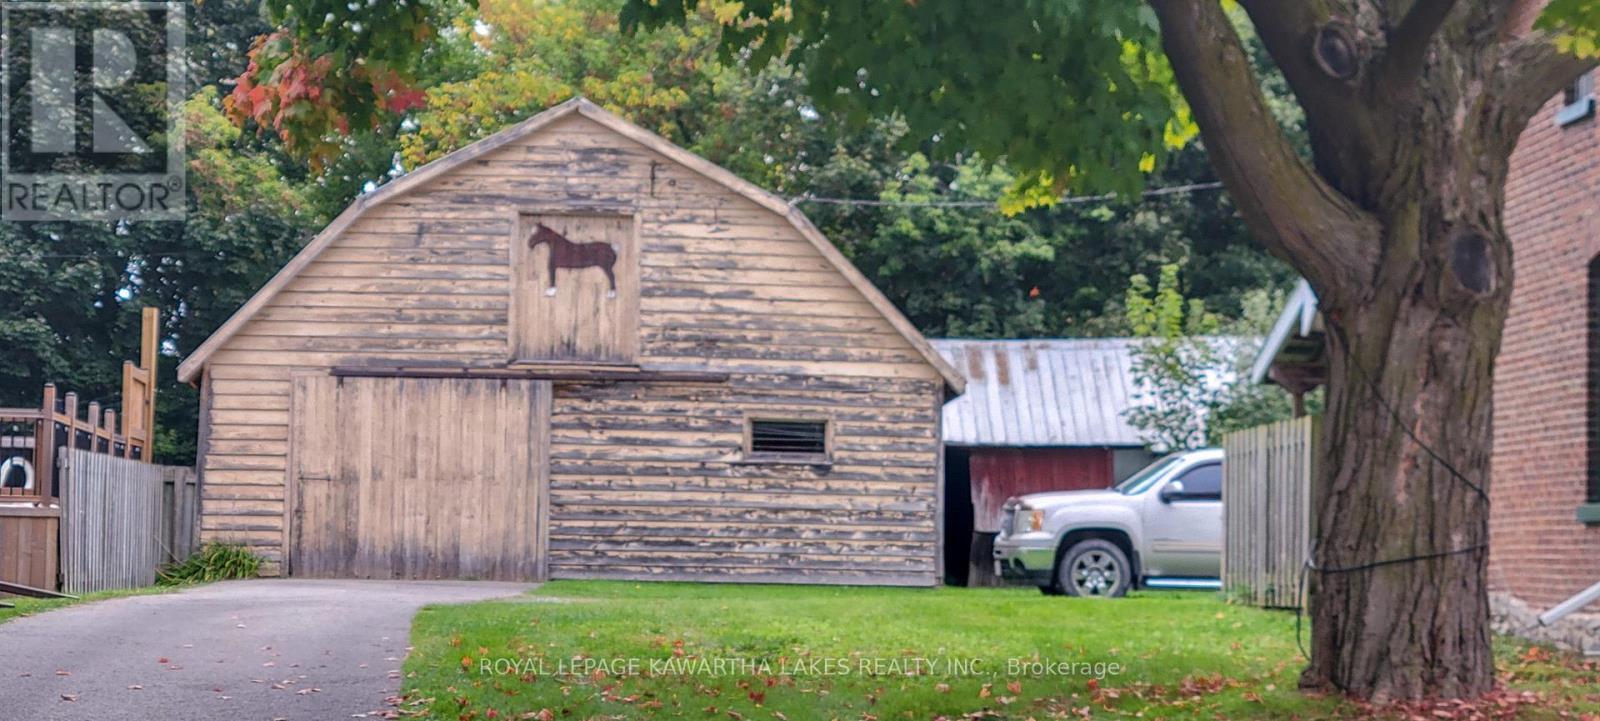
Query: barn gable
point(705, 387)
point(575, 157)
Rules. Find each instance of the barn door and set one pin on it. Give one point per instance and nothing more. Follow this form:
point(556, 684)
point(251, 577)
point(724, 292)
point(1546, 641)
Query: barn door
point(419, 478)
point(574, 289)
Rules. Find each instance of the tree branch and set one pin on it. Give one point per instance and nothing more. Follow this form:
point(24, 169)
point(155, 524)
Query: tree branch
point(1287, 205)
point(1532, 70)
point(1408, 42)
point(1287, 30)
point(1518, 15)
point(1337, 113)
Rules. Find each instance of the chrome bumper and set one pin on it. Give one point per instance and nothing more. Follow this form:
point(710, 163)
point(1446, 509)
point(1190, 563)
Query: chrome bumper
point(1027, 557)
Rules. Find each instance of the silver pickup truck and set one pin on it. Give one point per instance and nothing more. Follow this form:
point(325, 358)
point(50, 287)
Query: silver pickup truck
point(1162, 527)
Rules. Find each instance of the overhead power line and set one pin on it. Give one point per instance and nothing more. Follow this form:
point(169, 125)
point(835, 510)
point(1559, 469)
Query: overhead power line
point(992, 202)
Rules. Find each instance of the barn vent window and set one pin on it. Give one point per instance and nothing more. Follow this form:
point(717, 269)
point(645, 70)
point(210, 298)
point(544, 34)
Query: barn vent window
point(789, 439)
point(1577, 101)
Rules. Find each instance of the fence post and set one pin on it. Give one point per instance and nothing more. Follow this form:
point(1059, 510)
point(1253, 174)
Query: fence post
point(44, 443)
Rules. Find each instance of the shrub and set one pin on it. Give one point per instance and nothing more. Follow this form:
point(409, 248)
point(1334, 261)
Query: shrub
point(215, 562)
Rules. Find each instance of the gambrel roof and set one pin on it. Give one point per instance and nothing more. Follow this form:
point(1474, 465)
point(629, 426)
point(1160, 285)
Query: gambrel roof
point(191, 368)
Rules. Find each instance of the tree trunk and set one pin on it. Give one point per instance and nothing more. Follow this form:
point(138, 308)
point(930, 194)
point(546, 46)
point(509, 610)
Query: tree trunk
point(1412, 111)
point(1399, 605)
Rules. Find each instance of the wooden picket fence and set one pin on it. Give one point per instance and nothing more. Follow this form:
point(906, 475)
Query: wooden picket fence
point(1266, 490)
point(121, 519)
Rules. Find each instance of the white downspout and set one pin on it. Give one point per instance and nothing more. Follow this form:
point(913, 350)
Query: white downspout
point(1567, 607)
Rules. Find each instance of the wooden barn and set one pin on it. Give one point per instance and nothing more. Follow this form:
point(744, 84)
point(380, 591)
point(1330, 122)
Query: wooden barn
point(574, 350)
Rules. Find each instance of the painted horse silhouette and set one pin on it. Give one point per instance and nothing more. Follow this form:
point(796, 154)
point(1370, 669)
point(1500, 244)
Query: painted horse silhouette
point(567, 254)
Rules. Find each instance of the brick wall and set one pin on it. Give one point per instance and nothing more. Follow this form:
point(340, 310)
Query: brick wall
point(1539, 552)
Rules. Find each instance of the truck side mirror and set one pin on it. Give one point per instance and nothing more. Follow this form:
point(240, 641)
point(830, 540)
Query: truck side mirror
point(1171, 490)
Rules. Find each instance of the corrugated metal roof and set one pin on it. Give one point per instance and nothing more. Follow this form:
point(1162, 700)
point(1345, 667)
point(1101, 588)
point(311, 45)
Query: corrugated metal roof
point(1059, 392)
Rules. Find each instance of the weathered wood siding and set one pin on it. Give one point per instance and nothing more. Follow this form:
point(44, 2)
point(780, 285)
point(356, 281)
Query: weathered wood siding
point(575, 316)
point(724, 285)
point(649, 481)
point(418, 477)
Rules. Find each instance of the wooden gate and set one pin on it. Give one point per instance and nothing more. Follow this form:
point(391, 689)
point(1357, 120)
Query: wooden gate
point(419, 477)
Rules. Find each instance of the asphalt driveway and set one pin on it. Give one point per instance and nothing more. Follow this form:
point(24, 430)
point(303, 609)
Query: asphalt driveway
point(250, 650)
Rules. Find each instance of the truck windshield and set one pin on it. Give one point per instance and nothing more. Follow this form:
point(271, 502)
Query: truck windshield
point(1140, 481)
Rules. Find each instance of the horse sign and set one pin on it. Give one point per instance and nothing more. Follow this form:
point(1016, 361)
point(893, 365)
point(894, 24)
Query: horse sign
point(567, 254)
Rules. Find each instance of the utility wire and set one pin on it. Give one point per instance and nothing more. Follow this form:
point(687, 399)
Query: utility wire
point(990, 203)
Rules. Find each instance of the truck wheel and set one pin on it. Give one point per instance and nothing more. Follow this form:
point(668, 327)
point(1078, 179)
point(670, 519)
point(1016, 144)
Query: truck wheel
point(1094, 568)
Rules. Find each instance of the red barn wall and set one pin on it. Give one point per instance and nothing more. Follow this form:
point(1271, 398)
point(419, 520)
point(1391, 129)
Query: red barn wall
point(1000, 473)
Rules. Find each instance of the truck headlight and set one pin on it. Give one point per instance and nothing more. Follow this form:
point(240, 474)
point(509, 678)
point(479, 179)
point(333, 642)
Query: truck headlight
point(1036, 520)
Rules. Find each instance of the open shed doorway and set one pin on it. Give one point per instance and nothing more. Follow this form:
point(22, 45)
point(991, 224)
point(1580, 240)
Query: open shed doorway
point(978, 481)
point(958, 536)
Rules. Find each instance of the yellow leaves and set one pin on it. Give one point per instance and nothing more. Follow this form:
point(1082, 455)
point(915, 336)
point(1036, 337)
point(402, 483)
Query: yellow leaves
point(205, 125)
point(726, 13)
point(1147, 163)
point(1033, 190)
point(1580, 44)
point(1181, 128)
point(457, 114)
point(1576, 25)
point(226, 179)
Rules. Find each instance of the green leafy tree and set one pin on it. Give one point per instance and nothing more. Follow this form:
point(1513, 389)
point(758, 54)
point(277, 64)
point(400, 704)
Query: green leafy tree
point(527, 55)
point(1244, 403)
point(70, 293)
point(1393, 211)
point(1175, 365)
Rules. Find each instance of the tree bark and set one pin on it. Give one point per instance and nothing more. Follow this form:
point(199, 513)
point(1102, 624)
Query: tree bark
point(1399, 603)
point(1396, 222)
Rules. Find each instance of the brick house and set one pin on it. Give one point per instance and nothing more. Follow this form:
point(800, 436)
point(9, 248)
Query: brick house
point(1545, 472)
point(1545, 517)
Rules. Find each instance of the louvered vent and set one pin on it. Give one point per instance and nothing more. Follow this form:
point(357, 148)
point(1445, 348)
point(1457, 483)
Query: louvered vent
point(789, 437)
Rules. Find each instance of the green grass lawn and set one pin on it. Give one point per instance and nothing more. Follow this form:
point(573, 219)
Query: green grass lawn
point(30, 606)
point(582, 650)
